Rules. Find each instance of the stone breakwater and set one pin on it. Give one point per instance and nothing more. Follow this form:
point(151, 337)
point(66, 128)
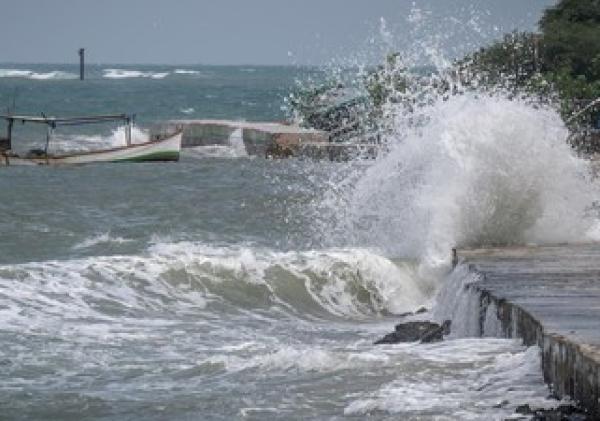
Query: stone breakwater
point(550, 297)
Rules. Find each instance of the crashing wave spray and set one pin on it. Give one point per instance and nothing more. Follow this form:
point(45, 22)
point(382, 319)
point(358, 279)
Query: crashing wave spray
point(463, 164)
point(484, 170)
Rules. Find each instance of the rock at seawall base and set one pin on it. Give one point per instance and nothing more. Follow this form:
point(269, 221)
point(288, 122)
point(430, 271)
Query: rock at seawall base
point(437, 335)
point(560, 413)
point(416, 331)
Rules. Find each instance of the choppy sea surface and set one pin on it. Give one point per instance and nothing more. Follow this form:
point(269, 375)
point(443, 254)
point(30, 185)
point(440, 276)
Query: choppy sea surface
point(231, 287)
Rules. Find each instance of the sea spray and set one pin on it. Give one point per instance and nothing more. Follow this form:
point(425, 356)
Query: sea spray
point(481, 170)
point(463, 162)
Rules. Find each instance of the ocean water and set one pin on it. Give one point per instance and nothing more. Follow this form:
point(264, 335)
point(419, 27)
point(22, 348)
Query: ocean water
point(231, 287)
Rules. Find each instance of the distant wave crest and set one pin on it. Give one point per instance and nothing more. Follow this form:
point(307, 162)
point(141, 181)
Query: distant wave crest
point(146, 74)
point(30, 74)
point(186, 72)
point(128, 74)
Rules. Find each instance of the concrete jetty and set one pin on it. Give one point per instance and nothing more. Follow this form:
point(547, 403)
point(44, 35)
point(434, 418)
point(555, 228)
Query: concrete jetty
point(550, 297)
point(259, 138)
point(271, 140)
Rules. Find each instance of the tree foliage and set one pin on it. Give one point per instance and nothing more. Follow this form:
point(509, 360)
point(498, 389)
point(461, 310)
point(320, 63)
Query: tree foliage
point(571, 33)
point(564, 57)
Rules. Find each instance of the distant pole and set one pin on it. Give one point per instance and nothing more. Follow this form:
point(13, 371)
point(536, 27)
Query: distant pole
point(81, 63)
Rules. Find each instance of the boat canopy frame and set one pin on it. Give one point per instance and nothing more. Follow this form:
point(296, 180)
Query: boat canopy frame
point(53, 122)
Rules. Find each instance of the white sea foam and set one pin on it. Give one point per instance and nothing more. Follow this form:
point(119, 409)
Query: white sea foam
point(234, 149)
point(236, 142)
point(286, 358)
point(129, 74)
point(186, 72)
point(189, 110)
point(103, 238)
point(62, 143)
point(30, 74)
point(461, 379)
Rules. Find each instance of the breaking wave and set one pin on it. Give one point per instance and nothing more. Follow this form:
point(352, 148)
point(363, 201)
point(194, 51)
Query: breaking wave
point(188, 278)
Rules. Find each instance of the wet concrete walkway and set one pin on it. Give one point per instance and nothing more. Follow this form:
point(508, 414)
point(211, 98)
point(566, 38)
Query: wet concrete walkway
point(549, 296)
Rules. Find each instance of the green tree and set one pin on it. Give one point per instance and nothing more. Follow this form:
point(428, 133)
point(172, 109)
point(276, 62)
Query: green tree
point(571, 33)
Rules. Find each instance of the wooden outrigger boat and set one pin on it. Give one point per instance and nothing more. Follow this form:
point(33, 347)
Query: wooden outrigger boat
point(162, 148)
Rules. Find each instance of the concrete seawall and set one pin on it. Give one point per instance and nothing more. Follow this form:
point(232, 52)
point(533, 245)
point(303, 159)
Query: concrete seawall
point(550, 297)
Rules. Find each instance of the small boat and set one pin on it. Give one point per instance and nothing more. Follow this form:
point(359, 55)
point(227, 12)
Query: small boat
point(159, 148)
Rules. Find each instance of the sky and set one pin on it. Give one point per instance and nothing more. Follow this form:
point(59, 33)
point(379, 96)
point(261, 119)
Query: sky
point(260, 32)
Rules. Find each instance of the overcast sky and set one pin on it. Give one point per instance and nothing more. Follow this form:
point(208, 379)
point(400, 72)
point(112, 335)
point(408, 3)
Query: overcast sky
point(248, 31)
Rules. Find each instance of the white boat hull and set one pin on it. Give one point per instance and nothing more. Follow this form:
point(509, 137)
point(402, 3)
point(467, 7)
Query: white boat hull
point(167, 149)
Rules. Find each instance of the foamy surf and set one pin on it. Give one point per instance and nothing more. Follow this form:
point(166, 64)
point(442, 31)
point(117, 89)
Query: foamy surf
point(179, 277)
point(445, 380)
point(133, 74)
point(30, 74)
point(186, 72)
point(103, 238)
point(184, 316)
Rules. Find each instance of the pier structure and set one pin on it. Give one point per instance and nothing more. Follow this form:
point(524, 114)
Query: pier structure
point(272, 140)
point(549, 297)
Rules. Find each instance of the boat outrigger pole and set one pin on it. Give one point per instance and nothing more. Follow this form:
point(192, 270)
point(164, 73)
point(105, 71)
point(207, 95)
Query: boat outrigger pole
point(49, 132)
point(66, 121)
point(9, 128)
point(53, 122)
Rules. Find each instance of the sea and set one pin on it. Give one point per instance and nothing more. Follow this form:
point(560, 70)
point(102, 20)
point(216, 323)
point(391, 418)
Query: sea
point(227, 286)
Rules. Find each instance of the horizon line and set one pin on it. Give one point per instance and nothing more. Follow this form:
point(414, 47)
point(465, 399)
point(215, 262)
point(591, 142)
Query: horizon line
point(37, 63)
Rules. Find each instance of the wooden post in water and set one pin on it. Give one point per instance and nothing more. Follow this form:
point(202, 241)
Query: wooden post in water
point(81, 63)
